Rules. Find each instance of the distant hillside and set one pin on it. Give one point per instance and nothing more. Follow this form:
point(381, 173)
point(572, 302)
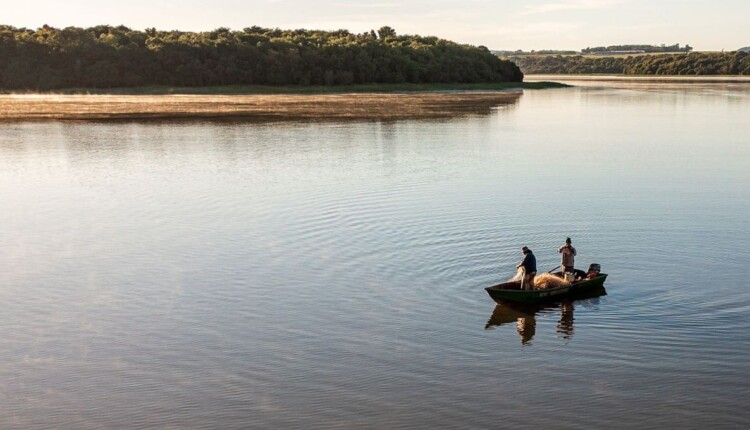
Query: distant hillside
point(105, 57)
point(602, 50)
point(696, 63)
point(533, 52)
point(637, 48)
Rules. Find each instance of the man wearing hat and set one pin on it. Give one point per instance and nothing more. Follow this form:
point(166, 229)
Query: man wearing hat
point(529, 268)
point(568, 256)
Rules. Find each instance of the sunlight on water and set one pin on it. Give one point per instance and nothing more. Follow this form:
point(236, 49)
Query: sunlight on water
point(332, 274)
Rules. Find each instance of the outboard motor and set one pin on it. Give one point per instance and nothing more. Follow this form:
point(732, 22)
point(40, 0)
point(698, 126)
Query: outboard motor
point(594, 270)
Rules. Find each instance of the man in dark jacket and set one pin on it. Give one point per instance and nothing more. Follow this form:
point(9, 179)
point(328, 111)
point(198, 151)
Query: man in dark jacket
point(529, 268)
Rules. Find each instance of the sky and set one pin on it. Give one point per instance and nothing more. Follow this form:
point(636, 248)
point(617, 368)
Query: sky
point(497, 24)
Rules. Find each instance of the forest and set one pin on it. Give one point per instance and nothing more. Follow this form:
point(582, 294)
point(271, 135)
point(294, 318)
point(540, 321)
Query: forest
point(694, 63)
point(107, 57)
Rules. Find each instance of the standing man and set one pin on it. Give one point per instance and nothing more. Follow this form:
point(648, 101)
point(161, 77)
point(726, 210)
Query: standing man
point(568, 256)
point(529, 268)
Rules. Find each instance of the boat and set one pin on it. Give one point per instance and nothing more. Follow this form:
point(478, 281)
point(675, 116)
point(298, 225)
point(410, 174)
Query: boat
point(582, 285)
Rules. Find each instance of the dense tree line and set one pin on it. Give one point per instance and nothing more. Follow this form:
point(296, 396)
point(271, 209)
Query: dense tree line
point(105, 56)
point(645, 48)
point(696, 63)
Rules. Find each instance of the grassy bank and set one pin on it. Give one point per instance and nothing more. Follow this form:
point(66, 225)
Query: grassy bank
point(275, 107)
point(332, 89)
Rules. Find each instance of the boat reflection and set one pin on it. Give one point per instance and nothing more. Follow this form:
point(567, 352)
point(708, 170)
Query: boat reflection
point(524, 315)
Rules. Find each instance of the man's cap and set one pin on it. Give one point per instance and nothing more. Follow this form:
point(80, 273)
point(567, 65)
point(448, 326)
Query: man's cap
point(567, 240)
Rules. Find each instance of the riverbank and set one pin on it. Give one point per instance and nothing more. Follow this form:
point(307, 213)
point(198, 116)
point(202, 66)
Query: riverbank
point(538, 78)
point(25, 107)
point(311, 89)
point(372, 101)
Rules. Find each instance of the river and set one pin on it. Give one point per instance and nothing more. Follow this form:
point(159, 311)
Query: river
point(331, 274)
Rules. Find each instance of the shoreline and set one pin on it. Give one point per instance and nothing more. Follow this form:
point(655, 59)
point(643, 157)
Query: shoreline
point(297, 90)
point(685, 79)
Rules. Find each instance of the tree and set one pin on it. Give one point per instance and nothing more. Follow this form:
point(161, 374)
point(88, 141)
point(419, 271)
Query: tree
point(386, 31)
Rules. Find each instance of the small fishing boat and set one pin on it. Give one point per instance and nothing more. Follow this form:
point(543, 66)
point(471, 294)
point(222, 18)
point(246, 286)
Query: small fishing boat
point(512, 292)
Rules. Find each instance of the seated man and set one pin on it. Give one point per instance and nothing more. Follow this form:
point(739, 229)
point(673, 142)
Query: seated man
point(594, 270)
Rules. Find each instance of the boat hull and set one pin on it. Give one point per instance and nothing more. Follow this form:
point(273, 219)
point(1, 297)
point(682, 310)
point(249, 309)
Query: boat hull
point(511, 292)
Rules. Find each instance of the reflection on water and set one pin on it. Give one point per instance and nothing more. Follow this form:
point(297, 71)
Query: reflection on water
point(565, 324)
point(525, 316)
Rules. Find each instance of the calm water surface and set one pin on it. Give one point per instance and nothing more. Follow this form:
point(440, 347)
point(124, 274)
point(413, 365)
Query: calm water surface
point(332, 274)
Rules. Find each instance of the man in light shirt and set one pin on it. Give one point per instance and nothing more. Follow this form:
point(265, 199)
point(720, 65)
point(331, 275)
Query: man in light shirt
point(568, 256)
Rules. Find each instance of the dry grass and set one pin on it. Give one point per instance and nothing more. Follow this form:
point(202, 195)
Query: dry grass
point(263, 107)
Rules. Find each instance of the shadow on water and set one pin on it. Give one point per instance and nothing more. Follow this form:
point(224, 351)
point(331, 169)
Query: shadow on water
point(524, 315)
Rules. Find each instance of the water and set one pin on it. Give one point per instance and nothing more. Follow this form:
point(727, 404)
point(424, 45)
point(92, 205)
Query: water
point(332, 274)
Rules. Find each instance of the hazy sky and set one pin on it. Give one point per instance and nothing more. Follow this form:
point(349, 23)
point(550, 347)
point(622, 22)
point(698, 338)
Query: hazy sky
point(497, 24)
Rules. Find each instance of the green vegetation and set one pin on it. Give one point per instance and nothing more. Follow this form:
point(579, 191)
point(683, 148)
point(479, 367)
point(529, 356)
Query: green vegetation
point(643, 48)
point(696, 63)
point(114, 57)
